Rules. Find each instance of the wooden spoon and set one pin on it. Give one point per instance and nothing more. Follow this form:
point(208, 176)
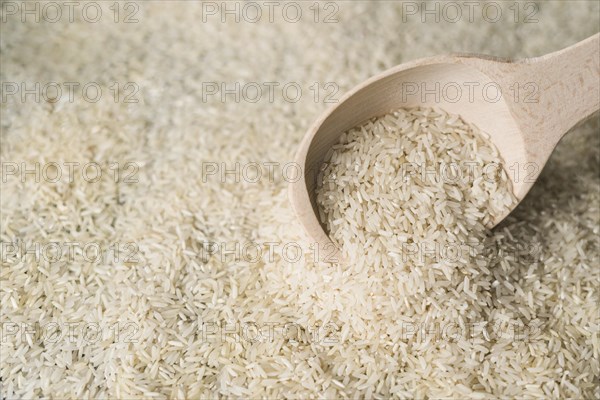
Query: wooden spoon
point(525, 106)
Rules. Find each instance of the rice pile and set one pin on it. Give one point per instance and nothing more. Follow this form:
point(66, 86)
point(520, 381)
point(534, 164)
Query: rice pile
point(410, 180)
point(456, 302)
point(327, 330)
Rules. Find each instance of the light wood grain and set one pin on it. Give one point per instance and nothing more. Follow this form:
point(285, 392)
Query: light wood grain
point(540, 100)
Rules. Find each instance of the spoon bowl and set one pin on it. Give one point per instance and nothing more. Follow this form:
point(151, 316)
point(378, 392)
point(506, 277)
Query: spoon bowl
point(525, 107)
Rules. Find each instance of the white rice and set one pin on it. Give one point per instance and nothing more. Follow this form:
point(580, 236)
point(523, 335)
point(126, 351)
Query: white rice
point(165, 303)
point(411, 181)
point(473, 314)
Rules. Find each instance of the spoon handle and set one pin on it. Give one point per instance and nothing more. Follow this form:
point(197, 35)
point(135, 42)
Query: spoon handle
point(554, 92)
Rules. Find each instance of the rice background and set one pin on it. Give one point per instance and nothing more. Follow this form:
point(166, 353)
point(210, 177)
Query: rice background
point(171, 210)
